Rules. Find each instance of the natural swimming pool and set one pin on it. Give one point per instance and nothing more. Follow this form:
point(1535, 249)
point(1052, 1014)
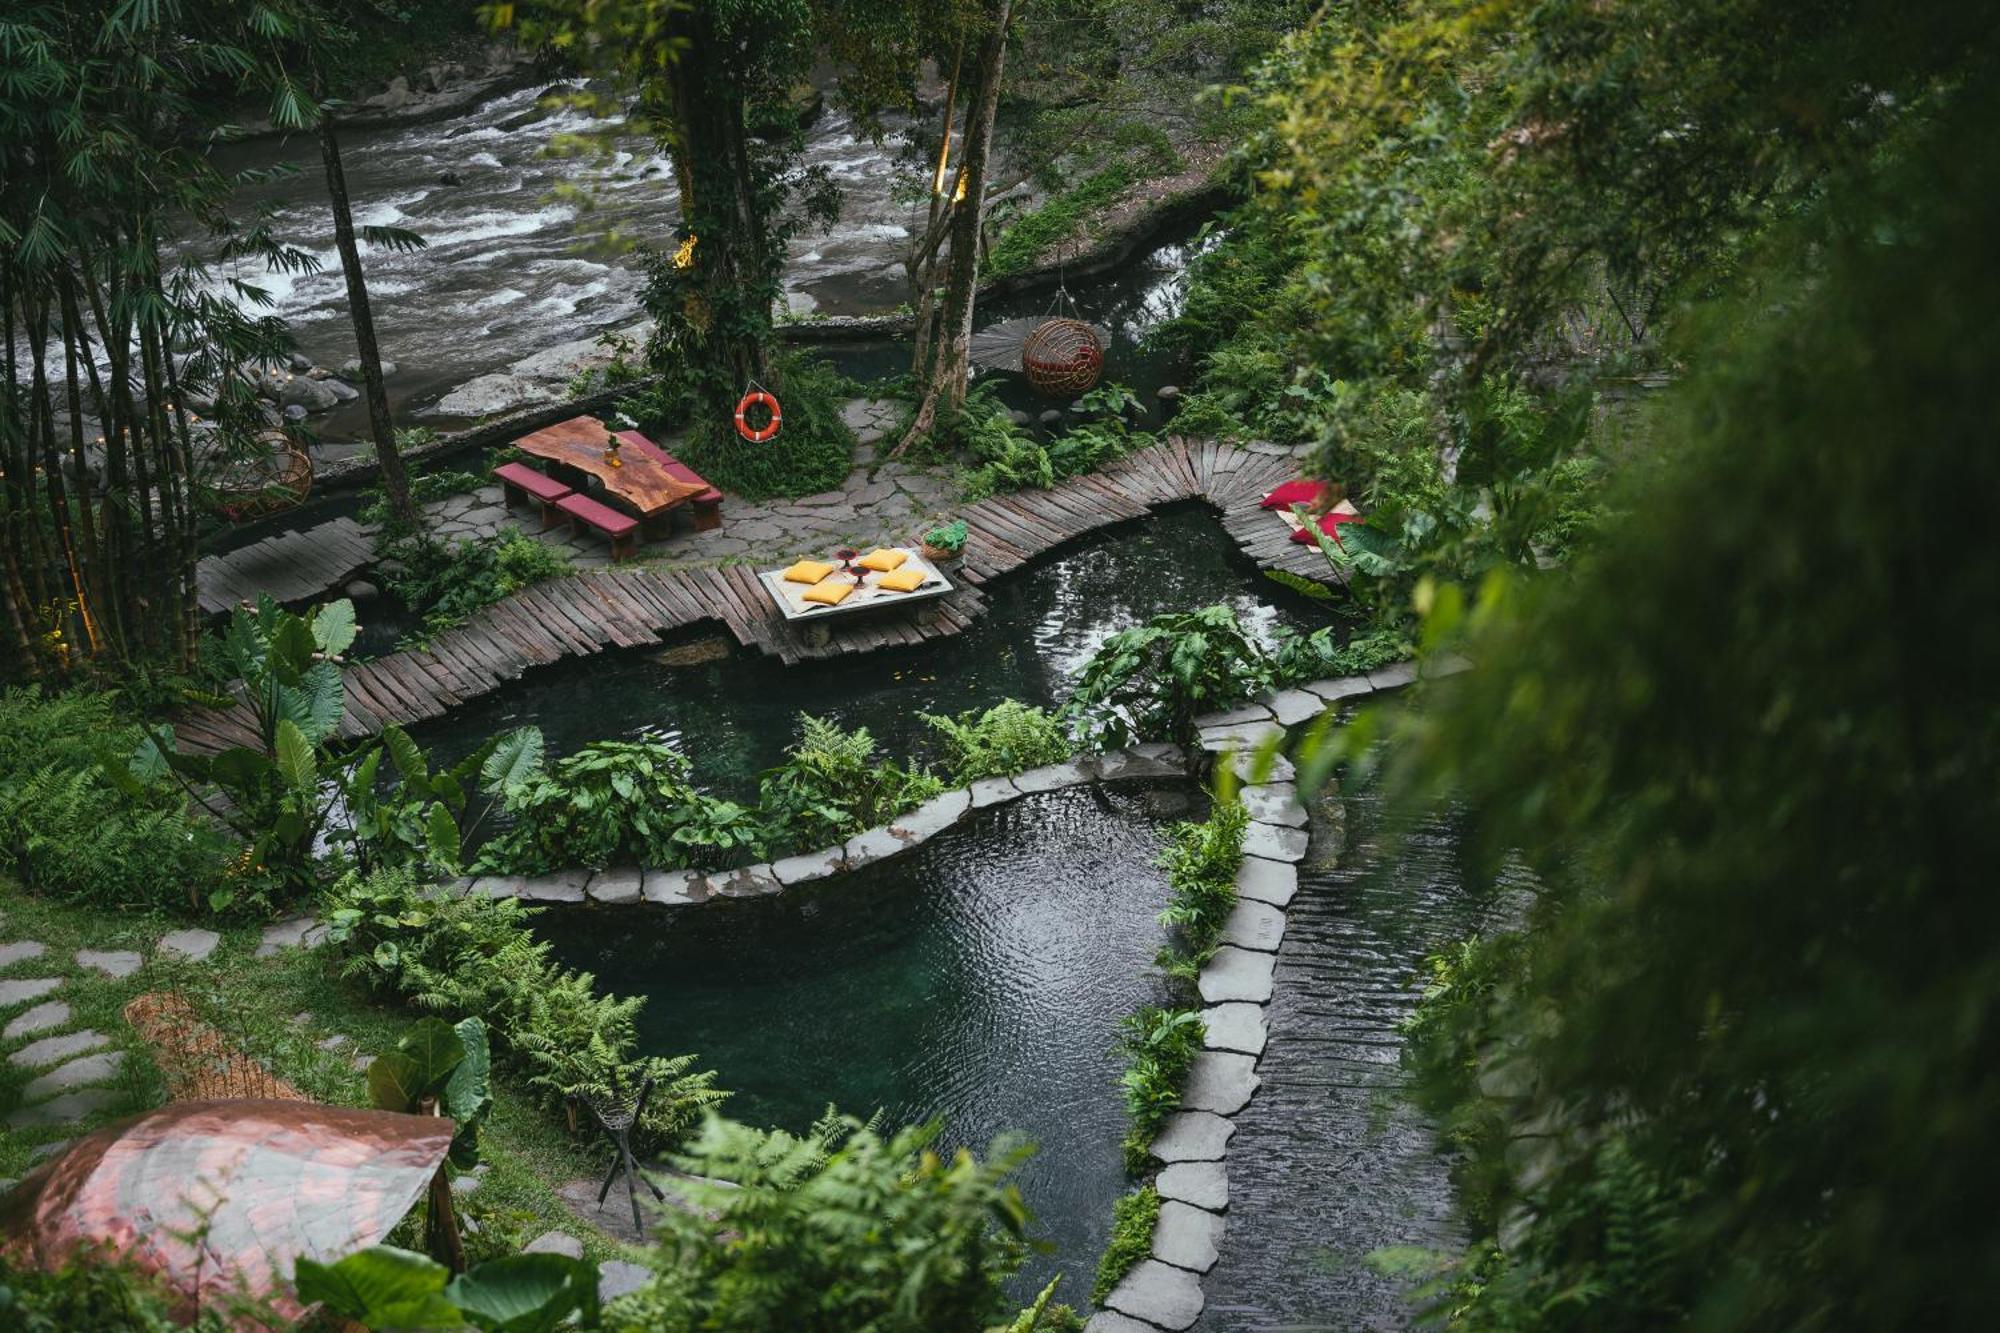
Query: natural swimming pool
point(978, 979)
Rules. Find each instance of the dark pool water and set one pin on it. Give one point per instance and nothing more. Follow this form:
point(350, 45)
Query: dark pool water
point(979, 980)
point(734, 717)
point(1329, 1161)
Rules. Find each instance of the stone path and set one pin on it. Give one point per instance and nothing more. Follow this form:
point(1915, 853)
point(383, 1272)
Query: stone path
point(1163, 1292)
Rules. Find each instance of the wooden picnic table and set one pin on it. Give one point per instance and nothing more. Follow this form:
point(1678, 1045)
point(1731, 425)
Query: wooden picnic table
point(640, 480)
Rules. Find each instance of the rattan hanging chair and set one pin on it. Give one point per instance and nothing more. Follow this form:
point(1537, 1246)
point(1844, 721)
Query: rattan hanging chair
point(275, 475)
point(1062, 357)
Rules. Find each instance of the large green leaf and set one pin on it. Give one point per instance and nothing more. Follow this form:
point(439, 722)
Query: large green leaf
point(517, 758)
point(435, 1046)
point(526, 1293)
point(469, 1090)
point(296, 761)
point(395, 1082)
point(321, 698)
point(441, 835)
point(383, 1287)
point(409, 760)
point(333, 627)
point(291, 649)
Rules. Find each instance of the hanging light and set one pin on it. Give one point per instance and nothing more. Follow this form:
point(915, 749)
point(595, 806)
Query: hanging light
point(685, 255)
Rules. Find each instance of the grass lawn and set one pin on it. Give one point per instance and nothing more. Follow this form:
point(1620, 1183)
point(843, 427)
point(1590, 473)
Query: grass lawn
point(277, 1010)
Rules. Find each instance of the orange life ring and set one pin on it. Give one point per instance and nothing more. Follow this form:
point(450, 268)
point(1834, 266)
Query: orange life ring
point(744, 428)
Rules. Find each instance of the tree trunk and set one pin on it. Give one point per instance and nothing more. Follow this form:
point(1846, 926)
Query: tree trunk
point(395, 482)
point(951, 336)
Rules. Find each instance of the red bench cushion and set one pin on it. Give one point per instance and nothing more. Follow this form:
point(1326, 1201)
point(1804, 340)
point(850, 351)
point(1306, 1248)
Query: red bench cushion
point(600, 516)
point(1295, 493)
point(534, 483)
point(1329, 524)
point(676, 469)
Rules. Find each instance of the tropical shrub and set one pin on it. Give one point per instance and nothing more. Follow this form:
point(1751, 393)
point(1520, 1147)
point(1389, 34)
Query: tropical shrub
point(449, 954)
point(447, 582)
point(67, 828)
point(386, 1288)
point(617, 803)
point(831, 787)
point(812, 452)
point(277, 795)
point(1159, 1045)
point(99, 1294)
point(1201, 861)
point(843, 1229)
point(1150, 682)
point(424, 487)
point(417, 821)
point(1320, 655)
point(1008, 738)
point(1133, 1218)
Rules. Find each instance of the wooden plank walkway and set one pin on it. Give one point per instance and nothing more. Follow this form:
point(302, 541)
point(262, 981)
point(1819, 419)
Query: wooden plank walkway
point(290, 567)
point(586, 614)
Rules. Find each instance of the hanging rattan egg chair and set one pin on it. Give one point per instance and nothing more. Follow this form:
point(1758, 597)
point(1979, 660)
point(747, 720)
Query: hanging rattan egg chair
point(275, 474)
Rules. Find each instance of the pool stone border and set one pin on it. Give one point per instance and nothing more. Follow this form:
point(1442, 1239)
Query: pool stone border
point(1164, 1291)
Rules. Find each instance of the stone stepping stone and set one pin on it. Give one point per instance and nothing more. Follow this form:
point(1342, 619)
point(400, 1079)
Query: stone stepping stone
point(23, 989)
point(1220, 1081)
point(675, 888)
point(1393, 677)
point(618, 885)
point(1346, 687)
point(1232, 717)
point(1236, 1026)
point(616, 1278)
point(1272, 882)
point(1291, 707)
point(78, 1073)
point(54, 1050)
point(299, 932)
point(1203, 1185)
point(1110, 1321)
point(41, 1152)
point(1254, 925)
point(1275, 803)
point(20, 951)
point(992, 791)
point(555, 1242)
point(1255, 768)
point(1243, 737)
point(1237, 974)
point(1274, 843)
point(41, 1018)
point(564, 886)
point(1186, 1237)
point(190, 945)
point(1162, 1295)
point(808, 866)
point(71, 1106)
point(112, 963)
point(1050, 777)
point(333, 1043)
point(1193, 1136)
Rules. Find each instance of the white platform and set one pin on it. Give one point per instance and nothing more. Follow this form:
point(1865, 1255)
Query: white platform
point(790, 597)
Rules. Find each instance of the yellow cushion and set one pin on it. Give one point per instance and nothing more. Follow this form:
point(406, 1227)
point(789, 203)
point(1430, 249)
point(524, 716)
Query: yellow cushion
point(807, 571)
point(883, 560)
point(830, 594)
point(903, 580)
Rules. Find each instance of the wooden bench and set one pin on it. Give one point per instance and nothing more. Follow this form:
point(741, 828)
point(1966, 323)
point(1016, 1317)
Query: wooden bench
point(706, 507)
point(520, 483)
point(622, 529)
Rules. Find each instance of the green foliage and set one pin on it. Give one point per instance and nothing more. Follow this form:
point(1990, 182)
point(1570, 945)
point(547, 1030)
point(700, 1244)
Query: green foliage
point(447, 582)
point(1001, 456)
point(419, 820)
point(276, 796)
point(1133, 1217)
point(443, 1067)
point(1008, 738)
point(465, 955)
point(1318, 655)
point(386, 1288)
point(948, 536)
point(68, 829)
point(831, 787)
point(1201, 861)
point(616, 803)
point(95, 1295)
point(1159, 1045)
point(845, 1229)
point(1733, 1071)
point(424, 487)
point(1150, 682)
point(1031, 236)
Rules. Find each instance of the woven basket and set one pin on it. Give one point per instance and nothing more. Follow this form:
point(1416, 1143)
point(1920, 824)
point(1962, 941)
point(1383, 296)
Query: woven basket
point(1062, 358)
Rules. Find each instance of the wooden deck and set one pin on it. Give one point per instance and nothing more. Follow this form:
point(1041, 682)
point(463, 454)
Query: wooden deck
point(290, 567)
point(586, 614)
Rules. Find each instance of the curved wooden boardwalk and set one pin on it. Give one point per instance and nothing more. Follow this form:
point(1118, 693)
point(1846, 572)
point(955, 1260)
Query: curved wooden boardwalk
point(586, 614)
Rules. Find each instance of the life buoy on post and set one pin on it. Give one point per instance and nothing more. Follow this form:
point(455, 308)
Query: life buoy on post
point(749, 432)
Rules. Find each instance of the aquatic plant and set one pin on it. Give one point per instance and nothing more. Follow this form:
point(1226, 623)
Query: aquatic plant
point(1008, 738)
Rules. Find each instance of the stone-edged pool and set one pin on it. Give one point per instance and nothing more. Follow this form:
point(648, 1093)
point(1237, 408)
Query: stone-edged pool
point(978, 979)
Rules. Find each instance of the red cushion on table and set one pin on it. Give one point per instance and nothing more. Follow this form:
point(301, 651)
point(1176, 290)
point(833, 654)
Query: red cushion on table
point(1295, 493)
point(1329, 524)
